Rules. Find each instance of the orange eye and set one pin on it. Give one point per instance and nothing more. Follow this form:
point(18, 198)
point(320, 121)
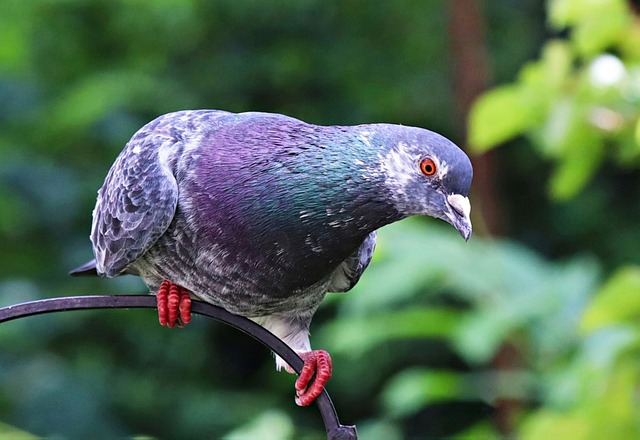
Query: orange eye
point(428, 167)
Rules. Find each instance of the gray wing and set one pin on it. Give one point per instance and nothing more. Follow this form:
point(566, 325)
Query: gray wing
point(347, 274)
point(136, 203)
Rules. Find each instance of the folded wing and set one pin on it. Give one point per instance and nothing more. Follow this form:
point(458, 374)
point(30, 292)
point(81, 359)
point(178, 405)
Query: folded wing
point(347, 274)
point(136, 203)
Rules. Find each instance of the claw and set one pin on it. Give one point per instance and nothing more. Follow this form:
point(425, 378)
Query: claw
point(316, 362)
point(174, 305)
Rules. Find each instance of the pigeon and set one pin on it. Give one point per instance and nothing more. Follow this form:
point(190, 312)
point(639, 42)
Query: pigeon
point(263, 214)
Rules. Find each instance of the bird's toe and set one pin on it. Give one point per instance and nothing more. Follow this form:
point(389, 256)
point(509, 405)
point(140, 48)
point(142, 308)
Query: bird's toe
point(174, 305)
point(316, 363)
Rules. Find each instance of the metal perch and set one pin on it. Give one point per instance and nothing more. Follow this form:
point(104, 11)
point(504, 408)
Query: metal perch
point(335, 431)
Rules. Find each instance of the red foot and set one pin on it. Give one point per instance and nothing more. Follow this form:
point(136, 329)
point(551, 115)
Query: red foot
point(174, 305)
point(316, 362)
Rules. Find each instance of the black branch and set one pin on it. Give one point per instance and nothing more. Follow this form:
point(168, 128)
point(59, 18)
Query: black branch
point(335, 431)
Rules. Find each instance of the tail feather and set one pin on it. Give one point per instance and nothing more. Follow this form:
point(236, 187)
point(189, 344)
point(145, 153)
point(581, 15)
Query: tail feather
point(87, 269)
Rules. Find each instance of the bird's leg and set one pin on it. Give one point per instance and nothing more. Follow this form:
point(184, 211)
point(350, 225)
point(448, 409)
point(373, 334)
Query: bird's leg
point(316, 371)
point(316, 362)
point(174, 305)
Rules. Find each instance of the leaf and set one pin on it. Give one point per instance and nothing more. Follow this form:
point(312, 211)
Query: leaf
point(604, 407)
point(15, 35)
point(485, 430)
point(357, 335)
point(379, 428)
point(481, 334)
point(91, 99)
point(557, 59)
point(14, 49)
point(549, 75)
point(552, 135)
point(618, 301)
point(580, 150)
point(10, 432)
point(551, 424)
point(414, 388)
point(599, 32)
point(413, 259)
point(575, 171)
point(411, 390)
point(598, 24)
point(270, 424)
point(497, 116)
point(564, 13)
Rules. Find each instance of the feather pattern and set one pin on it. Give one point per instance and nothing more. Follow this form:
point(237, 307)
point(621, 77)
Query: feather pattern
point(347, 274)
point(264, 214)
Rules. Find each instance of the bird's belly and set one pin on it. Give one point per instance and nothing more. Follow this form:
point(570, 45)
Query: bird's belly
point(238, 284)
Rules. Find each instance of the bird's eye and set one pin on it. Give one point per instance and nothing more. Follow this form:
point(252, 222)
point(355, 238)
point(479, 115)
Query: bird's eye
point(428, 167)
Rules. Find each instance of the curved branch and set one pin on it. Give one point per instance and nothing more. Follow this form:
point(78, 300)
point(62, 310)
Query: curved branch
point(335, 431)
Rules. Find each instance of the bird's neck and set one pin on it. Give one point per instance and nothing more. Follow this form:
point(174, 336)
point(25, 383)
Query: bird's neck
point(340, 185)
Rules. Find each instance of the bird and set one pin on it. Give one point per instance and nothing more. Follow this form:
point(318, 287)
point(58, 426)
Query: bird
point(263, 214)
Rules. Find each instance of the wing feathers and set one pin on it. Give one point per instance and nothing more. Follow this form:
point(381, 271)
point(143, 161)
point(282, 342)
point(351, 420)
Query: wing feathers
point(136, 203)
point(349, 272)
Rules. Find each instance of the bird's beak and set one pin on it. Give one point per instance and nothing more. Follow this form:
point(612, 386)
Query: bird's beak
point(459, 210)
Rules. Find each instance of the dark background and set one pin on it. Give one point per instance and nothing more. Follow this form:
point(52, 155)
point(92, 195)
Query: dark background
point(528, 329)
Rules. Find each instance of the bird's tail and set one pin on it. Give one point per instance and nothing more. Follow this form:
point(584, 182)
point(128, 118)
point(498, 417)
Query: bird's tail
point(87, 269)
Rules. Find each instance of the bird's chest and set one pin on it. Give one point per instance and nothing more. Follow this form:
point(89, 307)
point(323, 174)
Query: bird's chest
point(280, 257)
point(269, 224)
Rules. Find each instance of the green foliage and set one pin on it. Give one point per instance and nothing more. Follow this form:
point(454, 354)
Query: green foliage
point(501, 115)
point(581, 354)
point(579, 103)
point(271, 424)
point(579, 107)
point(597, 24)
point(616, 302)
point(504, 295)
point(410, 390)
point(605, 370)
point(438, 333)
point(7, 431)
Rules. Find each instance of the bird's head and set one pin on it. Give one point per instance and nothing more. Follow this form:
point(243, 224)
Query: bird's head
point(426, 174)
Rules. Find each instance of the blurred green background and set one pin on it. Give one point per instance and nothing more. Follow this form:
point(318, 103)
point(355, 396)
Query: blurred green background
point(530, 330)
